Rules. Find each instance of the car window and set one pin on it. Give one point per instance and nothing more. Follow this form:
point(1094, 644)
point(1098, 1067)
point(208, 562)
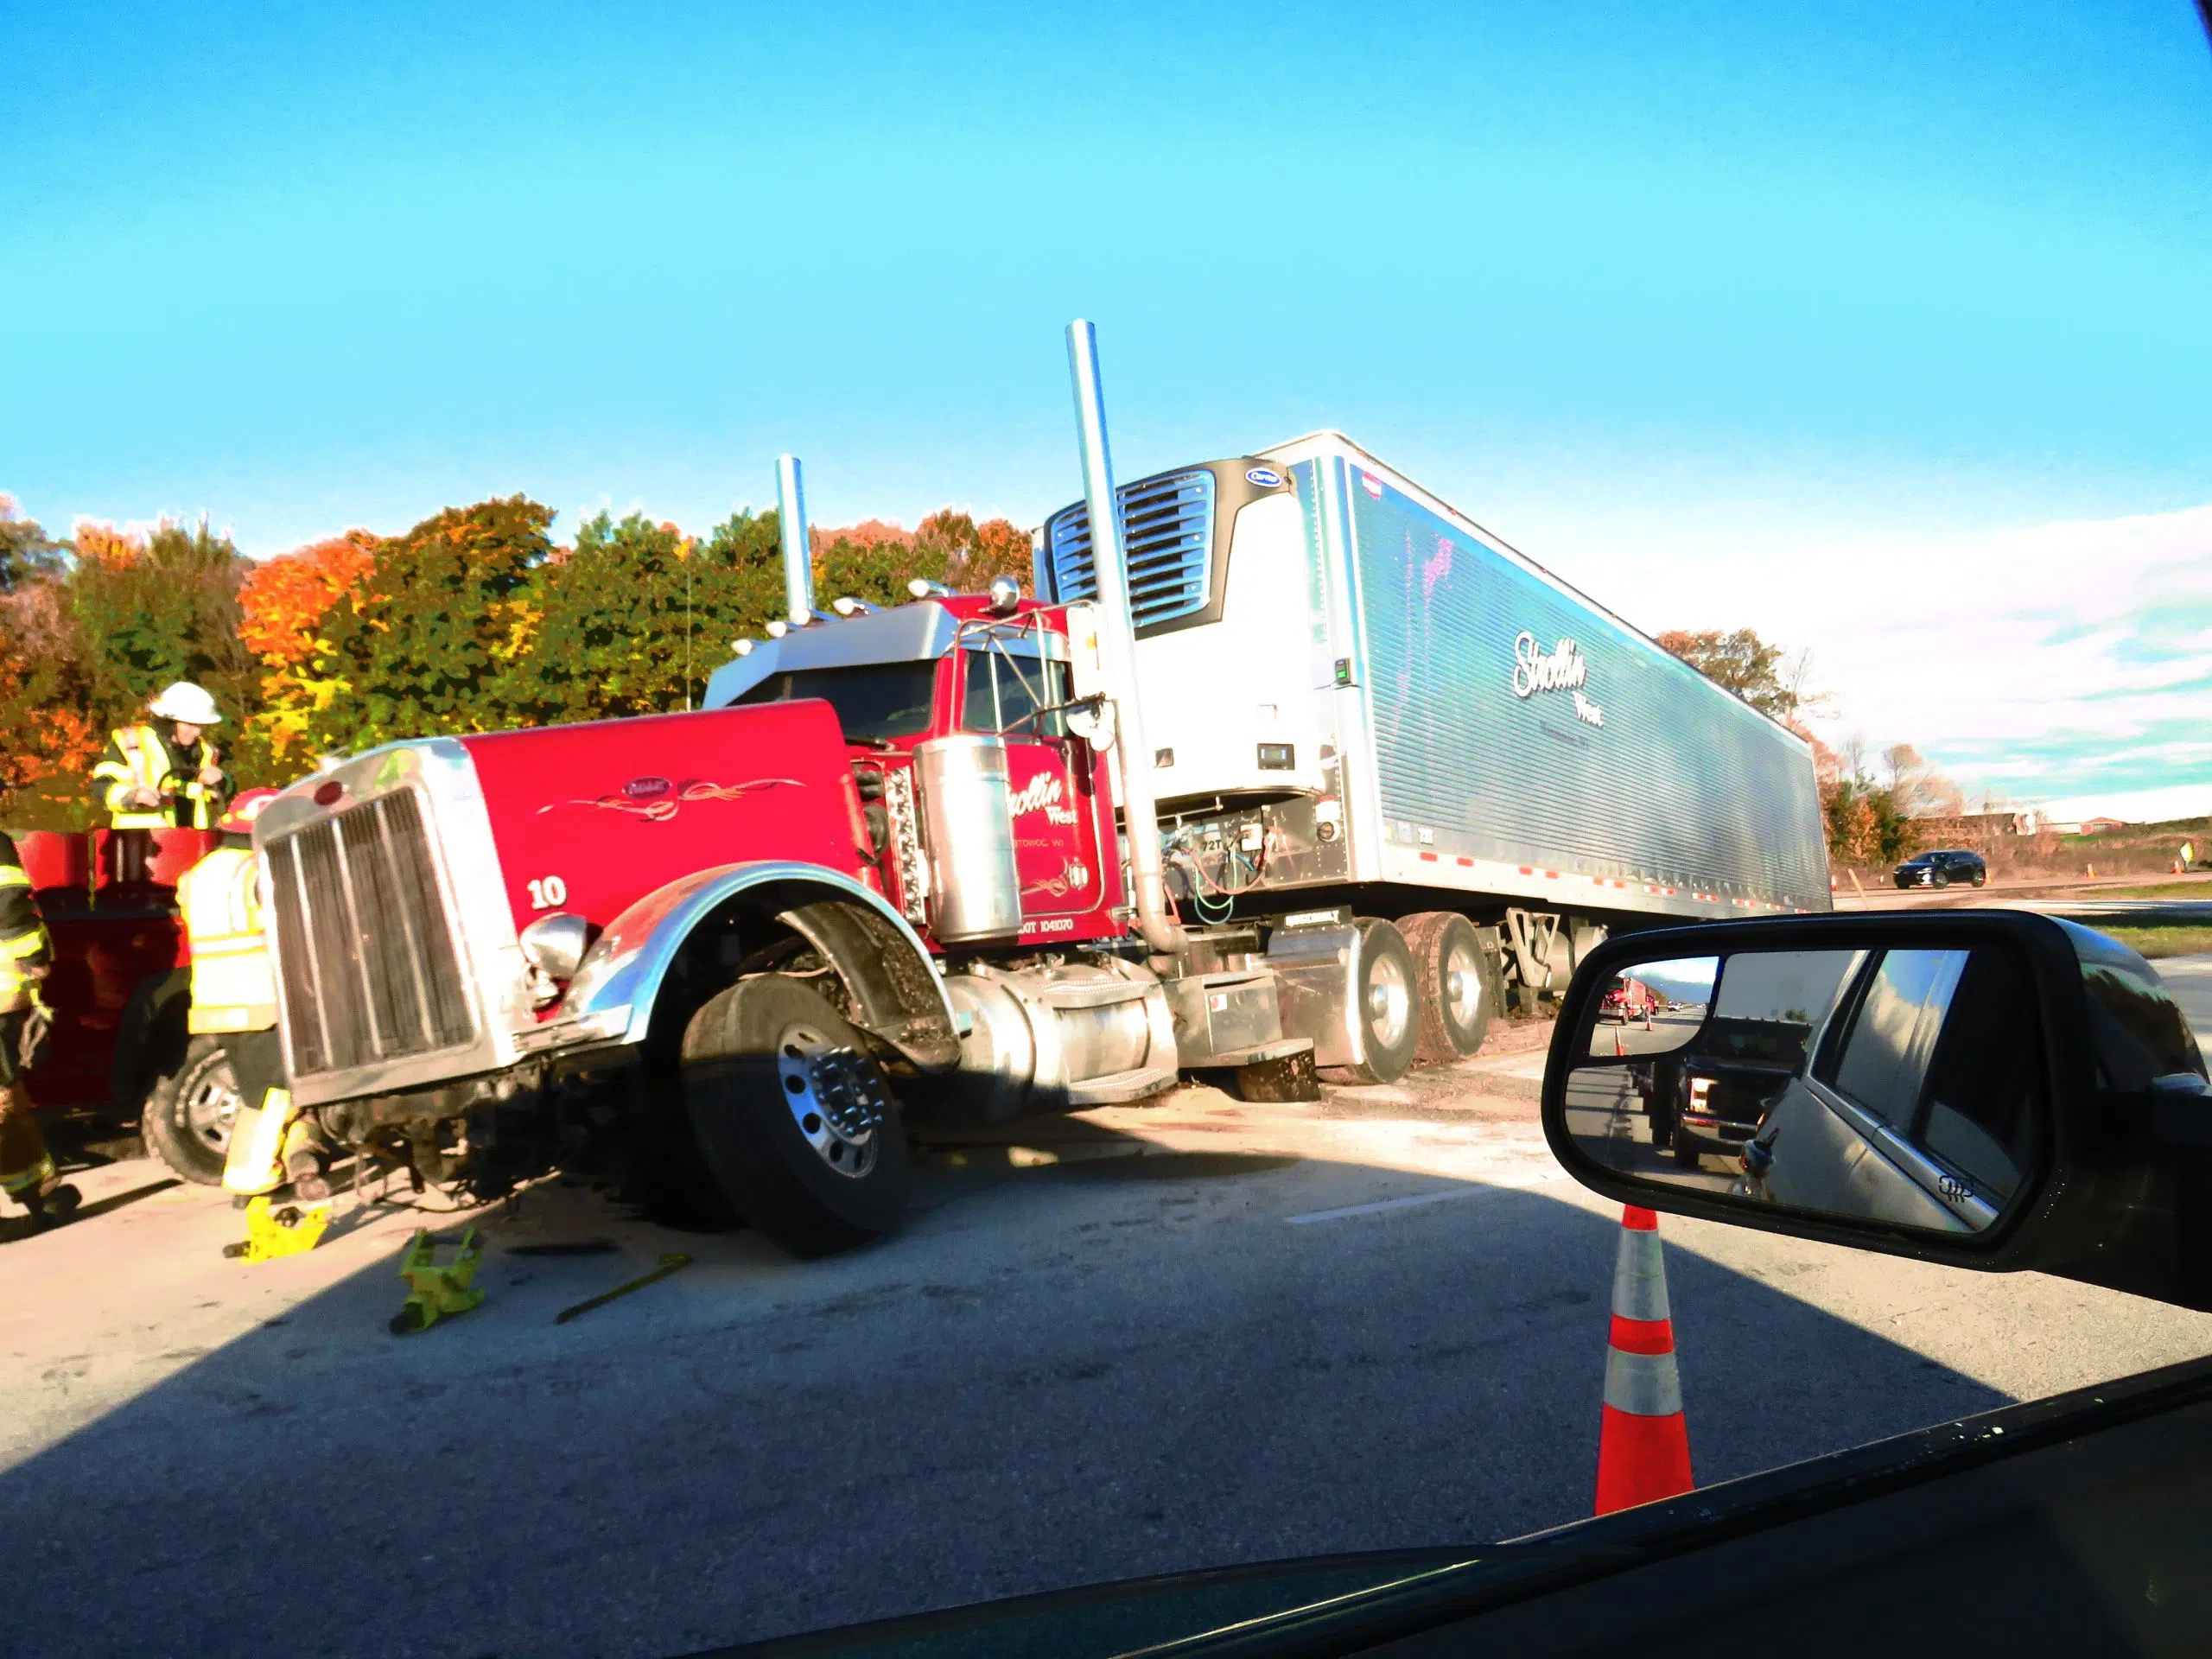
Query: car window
point(1980, 1107)
point(1883, 1061)
point(1003, 693)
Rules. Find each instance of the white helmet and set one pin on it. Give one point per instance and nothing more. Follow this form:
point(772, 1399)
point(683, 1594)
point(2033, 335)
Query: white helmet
point(185, 702)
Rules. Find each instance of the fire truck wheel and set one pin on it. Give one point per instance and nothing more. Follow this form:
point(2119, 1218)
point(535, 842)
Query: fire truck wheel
point(187, 1119)
point(1385, 995)
point(794, 1118)
point(1449, 972)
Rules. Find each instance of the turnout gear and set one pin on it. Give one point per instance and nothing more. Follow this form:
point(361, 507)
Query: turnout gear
point(25, 950)
point(234, 994)
point(27, 1172)
point(232, 986)
point(151, 781)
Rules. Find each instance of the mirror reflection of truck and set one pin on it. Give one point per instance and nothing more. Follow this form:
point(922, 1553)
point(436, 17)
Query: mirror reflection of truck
point(910, 862)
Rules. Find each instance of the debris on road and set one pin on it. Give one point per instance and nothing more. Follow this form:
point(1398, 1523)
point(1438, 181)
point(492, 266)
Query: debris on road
point(670, 1262)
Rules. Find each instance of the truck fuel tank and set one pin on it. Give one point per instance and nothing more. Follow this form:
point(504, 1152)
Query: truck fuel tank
point(974, 888)
point(1060, 1036)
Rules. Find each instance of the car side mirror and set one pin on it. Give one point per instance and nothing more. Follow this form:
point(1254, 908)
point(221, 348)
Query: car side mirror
point(1989, 1088)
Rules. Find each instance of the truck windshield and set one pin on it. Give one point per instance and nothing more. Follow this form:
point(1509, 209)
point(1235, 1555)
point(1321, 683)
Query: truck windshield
point(873, 700)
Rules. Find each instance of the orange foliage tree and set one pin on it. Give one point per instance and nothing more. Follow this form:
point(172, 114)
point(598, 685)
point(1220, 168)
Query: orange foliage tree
point(285, 601)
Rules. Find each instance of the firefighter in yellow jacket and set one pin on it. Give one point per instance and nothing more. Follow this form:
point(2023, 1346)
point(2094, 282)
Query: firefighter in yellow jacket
point(27, 1172)
point(234, 998)
point(163, 773)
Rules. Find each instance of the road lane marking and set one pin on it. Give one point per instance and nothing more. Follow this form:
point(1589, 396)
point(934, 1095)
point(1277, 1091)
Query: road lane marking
point(1415, 1199)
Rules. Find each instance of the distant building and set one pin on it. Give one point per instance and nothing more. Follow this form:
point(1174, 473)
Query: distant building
point(1966, 827)
point(2101, 826)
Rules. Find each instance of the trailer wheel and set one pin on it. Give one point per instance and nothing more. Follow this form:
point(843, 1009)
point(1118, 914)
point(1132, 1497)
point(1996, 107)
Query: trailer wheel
point(186, 1121)
point(795, 1118)
point(1385, 998)
point(1454, 988)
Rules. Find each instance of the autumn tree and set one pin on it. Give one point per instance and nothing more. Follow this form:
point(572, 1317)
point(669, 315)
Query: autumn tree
point(285, 603)
point(970, 554)
point(1745, 663)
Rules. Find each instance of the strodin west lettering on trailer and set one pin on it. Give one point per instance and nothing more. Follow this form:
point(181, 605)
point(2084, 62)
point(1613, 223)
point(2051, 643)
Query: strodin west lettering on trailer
point(1560, 669)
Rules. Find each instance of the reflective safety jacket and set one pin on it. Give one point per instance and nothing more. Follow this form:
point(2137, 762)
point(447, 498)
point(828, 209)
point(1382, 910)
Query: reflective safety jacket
point(25, 950)
point(139, 757)
point(232, 986)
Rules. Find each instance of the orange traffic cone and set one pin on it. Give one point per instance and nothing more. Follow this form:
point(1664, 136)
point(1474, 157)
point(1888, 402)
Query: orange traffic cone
point(1618, 1050)
point(1643, 1442)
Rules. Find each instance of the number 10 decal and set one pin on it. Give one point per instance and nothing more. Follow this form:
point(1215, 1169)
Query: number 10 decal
point(548, 891)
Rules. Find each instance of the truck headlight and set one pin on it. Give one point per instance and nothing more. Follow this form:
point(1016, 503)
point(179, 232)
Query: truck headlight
point(555, 945)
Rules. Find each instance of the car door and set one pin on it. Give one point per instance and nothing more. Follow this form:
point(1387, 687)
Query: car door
point(1011, 691)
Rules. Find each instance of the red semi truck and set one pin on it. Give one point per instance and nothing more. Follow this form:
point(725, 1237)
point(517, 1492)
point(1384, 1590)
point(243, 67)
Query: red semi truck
point(888, 880)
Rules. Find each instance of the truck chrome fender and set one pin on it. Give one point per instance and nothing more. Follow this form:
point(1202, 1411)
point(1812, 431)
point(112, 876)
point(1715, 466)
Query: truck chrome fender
point(880, 958)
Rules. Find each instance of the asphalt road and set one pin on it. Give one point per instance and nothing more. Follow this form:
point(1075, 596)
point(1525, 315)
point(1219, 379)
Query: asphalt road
point(1145, 1340)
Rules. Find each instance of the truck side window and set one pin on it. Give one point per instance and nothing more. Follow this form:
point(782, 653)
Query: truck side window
point(1003, 693)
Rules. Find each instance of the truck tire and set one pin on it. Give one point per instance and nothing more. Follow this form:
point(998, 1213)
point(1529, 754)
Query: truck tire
point(1386, 1000)
point(187, 1119)
point(794, 1118)
point(1454, 987)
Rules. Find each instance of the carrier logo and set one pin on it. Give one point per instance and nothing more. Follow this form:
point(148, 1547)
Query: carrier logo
point(1040, 794)
point(1266, 477)
point(1560, 669)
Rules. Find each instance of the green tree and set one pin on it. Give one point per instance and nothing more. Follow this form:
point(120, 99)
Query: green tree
point(27, 553)
point(144, 612)
point(432, 644)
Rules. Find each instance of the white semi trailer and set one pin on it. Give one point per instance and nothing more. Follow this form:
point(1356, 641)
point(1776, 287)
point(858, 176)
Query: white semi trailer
point(1365, 709)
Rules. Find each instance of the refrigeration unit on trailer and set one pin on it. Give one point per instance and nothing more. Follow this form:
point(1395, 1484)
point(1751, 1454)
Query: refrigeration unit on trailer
point(1359, 698)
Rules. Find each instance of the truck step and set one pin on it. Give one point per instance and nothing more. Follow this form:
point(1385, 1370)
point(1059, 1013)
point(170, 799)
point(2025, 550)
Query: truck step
point(1116, 1087)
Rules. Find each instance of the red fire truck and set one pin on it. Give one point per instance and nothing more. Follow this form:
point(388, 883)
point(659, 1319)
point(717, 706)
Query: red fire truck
point(119, 988)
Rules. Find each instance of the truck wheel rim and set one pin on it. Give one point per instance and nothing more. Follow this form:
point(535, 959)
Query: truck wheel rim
point(835, 1097)
point(210, 1107)
point(1463, 987)
point(1390, 1002)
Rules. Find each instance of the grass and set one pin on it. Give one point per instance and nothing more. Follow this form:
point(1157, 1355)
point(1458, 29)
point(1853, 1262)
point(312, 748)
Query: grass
point(2156, 942)
point(2187, 891)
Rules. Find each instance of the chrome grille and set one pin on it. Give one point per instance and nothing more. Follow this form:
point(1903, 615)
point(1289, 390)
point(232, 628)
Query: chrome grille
point(363, 940)
point(1167, 532)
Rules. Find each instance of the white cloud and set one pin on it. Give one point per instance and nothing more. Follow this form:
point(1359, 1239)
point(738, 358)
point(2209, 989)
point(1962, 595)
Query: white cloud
point(2036, 660)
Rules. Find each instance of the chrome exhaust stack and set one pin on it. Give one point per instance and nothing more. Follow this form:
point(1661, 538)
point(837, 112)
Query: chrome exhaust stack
point(1118, 643)
point(798, 553)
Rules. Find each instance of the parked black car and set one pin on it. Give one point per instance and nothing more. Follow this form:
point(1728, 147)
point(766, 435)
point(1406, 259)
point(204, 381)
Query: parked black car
point(1940, 869)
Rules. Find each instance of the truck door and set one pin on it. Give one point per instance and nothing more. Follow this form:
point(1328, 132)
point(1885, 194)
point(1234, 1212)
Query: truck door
point(1048, 773)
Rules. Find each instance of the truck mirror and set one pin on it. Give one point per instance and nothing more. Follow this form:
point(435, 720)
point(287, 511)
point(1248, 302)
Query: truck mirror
point(1990, 1088)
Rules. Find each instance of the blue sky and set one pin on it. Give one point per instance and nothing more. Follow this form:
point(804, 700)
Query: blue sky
point(1730, 314)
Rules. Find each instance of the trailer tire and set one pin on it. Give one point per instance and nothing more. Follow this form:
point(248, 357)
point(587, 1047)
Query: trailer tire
point(186, 1121)
point(1451, 973)
point(794, 1116)
point(1385, 998)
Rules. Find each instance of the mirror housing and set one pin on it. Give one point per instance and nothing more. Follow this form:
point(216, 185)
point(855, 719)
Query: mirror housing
point(2120, 1193)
